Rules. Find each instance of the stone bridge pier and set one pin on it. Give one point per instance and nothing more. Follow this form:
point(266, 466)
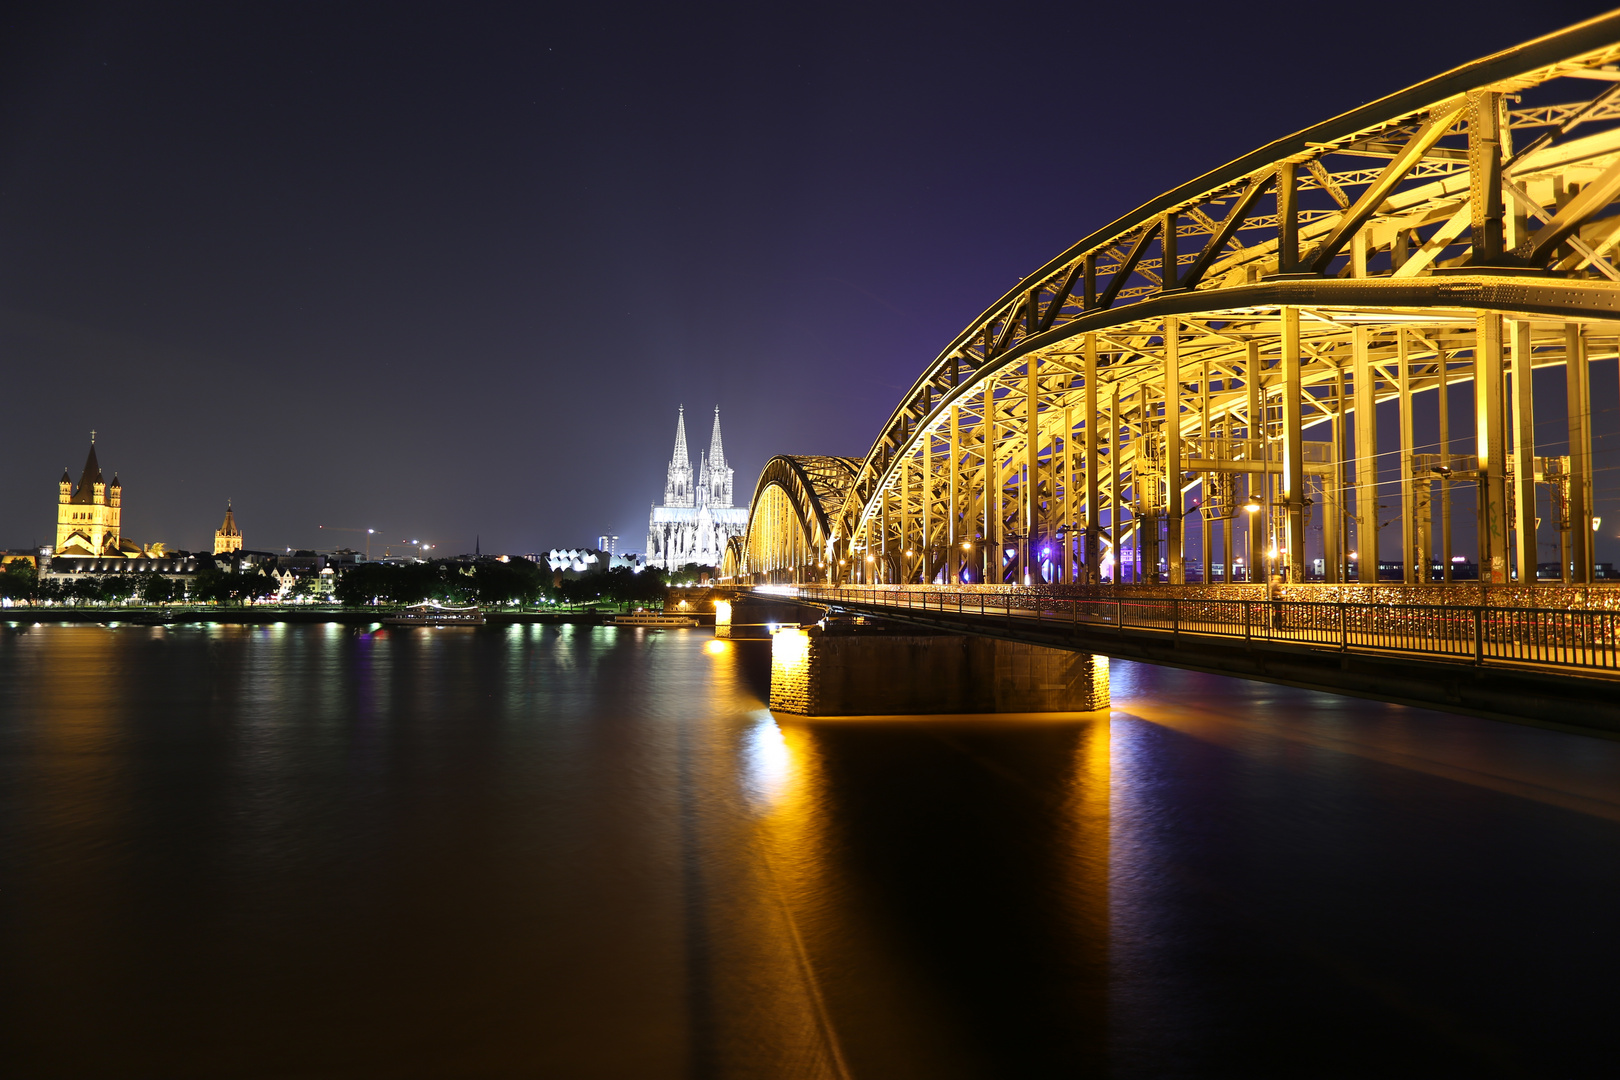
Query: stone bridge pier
point(850, 666)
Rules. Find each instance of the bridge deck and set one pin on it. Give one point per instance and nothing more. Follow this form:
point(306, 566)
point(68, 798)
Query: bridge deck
point(1548, 666)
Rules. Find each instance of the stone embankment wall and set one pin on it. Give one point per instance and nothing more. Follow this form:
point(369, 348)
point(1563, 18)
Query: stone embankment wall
point(821, 674)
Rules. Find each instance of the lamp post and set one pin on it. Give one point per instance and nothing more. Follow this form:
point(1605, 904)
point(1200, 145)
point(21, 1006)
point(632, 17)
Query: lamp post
point(1251, 506)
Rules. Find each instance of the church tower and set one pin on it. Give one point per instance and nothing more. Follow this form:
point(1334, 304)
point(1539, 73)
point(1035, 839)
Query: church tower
point(89, 516)
point(227, 538)
point(716, 476)
point(678, 485)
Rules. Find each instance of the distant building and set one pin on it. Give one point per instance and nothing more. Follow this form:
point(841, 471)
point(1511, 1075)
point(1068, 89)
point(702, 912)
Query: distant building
point(697, 517)
point(227, 538)
point(176, 566)
point(586, 560)
point(89, 516)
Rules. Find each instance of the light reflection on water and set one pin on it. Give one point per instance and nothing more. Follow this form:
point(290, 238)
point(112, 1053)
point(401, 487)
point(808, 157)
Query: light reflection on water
point(592, 851)
point(766, 761)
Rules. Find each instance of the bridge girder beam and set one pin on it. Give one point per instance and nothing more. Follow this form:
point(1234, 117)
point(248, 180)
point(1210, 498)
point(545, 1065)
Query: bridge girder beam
point(1389, 243)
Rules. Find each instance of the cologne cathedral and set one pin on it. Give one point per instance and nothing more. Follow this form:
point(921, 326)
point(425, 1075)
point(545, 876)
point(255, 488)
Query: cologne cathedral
point(697, 517)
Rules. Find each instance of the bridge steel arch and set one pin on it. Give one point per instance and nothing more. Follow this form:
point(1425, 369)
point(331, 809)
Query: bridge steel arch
point(1461, 230)
point(790, 520)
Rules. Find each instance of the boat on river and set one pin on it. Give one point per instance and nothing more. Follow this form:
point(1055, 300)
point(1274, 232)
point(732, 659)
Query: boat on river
point(435, 615)
point(652, 618)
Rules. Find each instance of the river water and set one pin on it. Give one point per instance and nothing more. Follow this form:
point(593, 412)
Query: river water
point(325, 851)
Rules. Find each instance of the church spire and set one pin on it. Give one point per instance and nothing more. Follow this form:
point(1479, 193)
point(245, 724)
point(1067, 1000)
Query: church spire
point(717, 455)
point(228, 538)
point(715, 477)
point(681, 456)
point(85, 493)
point(678, 484)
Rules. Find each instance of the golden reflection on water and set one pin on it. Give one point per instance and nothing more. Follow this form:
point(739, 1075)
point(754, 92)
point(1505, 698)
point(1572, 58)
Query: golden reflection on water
point(875, 1005)
point(1091, 813)
point(76, 787)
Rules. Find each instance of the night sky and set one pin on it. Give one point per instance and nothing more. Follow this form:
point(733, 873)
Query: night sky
point(447, 270)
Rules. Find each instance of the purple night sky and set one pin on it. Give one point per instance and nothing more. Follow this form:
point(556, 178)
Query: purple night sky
point(447, 270)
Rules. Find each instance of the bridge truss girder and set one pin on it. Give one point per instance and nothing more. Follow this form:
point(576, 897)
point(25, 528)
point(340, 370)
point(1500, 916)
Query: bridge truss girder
point(1239, 431)
point(1461, 230)
point(790, 517)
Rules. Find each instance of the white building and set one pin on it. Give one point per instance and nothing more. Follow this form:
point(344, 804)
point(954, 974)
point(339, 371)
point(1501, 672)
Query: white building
point(584, 560)
point(697, 517)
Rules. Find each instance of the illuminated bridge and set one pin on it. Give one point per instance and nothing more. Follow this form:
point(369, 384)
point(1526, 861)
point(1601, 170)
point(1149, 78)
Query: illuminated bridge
point(1183, 405)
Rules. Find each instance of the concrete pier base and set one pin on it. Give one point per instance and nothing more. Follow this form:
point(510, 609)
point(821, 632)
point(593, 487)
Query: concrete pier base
point(817, 673)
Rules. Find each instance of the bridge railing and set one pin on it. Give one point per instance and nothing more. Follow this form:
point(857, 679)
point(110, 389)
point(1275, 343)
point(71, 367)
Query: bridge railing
point(1541, 636)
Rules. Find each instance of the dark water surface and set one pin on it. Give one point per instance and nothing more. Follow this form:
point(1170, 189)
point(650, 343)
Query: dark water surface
point(310, 851)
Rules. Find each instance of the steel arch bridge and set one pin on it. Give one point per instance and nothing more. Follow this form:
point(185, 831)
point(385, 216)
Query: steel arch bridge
point(791, 518)
point(1460, 231)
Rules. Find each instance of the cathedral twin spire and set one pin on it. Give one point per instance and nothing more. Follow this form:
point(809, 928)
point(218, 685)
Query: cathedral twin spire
point(713, 483)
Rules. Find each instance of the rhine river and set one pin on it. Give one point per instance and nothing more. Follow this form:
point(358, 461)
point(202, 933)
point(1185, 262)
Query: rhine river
point(322, 851)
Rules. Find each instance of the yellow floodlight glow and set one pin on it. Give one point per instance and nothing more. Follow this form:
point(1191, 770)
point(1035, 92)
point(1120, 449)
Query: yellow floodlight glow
point(1252, 506)
point(716, 647)
point(790, 652)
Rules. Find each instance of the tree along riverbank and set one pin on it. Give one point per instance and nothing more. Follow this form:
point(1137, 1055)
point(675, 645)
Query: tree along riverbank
point(272, 613)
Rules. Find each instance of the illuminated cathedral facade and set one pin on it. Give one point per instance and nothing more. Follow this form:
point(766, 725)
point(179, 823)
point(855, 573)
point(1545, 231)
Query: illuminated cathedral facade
point(697, 517)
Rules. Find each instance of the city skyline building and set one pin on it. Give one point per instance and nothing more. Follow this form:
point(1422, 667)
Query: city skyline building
point(697, 517)
point(228, 538)
point(89, 516)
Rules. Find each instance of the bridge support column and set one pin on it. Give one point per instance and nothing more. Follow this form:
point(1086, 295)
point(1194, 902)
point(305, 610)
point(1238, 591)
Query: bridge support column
point(1174, 565)
point(1335, 522)
point(1029, 547)
point(1063, 473)
point(1409, 530)
point(1524, 454)
point(955, 487)
point(869, 672)
point(1365, 390)
point(1293, 463)
point(1490, 437)
point(1093, 549)
point(1442, 369)
point(1255, 483)
point(925, 544)
point(1578, 559)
